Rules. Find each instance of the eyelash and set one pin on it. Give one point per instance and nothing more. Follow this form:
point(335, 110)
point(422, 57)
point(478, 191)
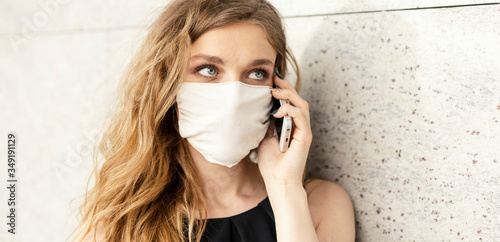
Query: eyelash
point(199, 68)
point(265, 73)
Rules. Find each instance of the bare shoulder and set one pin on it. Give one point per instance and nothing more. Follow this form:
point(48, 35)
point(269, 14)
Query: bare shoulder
point(331, 210)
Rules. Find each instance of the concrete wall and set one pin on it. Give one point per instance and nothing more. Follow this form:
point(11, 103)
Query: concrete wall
point(405, 107)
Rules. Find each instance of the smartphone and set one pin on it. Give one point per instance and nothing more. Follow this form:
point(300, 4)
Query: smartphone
point(282, 126)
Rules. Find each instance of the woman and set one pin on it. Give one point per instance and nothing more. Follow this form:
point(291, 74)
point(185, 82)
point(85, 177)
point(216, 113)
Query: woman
point(195, 102)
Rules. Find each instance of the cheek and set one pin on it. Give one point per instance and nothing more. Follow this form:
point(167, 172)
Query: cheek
point(192, 78)
point(188, 76)
point(270, 82)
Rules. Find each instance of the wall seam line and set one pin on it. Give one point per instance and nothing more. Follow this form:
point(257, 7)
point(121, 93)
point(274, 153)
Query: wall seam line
point(390, 10)
point(4, 36)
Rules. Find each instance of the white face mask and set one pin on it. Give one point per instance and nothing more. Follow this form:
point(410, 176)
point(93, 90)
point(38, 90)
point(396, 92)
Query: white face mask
point(223, 121)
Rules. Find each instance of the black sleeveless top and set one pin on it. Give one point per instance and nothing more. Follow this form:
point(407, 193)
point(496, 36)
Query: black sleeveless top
point(256, 224)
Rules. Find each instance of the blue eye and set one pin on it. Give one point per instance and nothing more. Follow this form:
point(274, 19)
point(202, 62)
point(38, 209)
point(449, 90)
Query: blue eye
point(258, 74)
point(208, 71)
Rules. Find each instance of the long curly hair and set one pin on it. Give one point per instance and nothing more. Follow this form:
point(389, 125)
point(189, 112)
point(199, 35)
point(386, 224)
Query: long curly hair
point(146, 185)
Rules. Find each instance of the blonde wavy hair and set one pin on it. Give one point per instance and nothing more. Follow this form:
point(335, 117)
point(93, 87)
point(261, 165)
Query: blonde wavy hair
point(148, 188)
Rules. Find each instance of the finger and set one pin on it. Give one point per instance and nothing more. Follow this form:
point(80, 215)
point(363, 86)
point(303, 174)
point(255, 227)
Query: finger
point(300, 118)
point(283, 83)
point(292, 111)
point(291, 95)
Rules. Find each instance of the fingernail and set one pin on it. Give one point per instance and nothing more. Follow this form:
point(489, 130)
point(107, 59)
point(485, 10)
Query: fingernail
point(277, 73)
point(274, 111)
point(275, 89)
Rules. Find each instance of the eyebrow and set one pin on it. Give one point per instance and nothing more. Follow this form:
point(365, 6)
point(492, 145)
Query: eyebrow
point(218, 60)
point(259, 62)
point(210, 58)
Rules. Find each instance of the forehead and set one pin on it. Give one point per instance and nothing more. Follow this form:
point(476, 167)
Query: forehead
point(235, 41)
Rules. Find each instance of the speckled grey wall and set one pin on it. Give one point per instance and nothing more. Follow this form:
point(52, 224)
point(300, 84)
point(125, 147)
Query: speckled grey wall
point(405, 110)
point(405, 107)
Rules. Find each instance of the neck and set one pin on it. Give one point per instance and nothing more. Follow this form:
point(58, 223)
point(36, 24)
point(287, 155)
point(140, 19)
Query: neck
point(221, 183)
